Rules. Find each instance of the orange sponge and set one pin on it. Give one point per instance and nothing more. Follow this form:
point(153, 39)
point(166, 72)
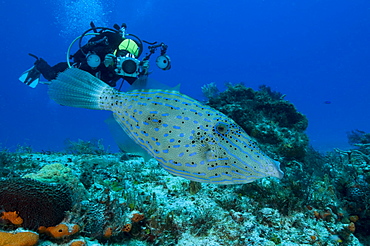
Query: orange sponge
point(108, 232)
point(18, 239)
point(127, 228)
point(60, 231)
point(78, 243)
point(13, 217)
point(136, 217)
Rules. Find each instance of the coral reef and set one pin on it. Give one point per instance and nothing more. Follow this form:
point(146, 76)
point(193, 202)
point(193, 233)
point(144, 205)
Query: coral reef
point(38, 204)
point(323, 199)
point(92, 147)
point(136, 203)
point(54, 173)
point(358, 137)
point(210, 90)
point(264, 114)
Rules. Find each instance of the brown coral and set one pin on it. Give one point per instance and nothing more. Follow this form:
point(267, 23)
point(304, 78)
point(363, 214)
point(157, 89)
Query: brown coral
point(354, 218)
point(351, 227)
point(38, 204)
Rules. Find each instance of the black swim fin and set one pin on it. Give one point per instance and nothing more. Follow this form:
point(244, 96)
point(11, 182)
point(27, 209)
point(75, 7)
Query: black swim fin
point(30, 77)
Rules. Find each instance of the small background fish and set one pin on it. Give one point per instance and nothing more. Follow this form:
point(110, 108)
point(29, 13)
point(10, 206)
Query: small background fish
point(189, 139)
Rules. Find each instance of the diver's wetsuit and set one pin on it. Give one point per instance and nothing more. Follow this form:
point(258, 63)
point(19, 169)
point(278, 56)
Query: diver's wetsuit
point(101, 45)
point(50, 72)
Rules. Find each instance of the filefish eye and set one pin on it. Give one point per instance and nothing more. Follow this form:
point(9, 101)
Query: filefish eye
point(222, 128)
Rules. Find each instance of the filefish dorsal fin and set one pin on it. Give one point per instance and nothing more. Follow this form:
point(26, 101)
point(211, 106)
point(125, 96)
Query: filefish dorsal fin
point(145, 83)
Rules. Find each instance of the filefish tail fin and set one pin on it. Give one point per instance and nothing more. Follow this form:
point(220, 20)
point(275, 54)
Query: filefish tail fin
point(77, 88)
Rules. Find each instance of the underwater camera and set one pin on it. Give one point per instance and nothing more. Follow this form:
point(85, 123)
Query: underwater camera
point(128, 66)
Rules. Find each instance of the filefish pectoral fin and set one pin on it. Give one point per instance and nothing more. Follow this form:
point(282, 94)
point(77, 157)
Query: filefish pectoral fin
point(124, 142)
point(210, 155)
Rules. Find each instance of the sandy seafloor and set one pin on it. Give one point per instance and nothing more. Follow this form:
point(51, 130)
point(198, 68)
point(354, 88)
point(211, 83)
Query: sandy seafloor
point(177, 212)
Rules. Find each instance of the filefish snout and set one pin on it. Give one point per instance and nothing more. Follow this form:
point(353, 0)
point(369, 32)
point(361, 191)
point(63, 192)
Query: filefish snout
point(230, 155)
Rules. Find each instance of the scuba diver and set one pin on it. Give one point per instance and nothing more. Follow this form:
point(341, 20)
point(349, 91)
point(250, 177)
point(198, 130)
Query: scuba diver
point(110, 55)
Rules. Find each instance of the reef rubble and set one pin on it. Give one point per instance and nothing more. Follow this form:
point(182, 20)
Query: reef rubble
point(133, 202)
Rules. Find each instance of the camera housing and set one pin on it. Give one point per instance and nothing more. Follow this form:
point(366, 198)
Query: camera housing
point(127, 66)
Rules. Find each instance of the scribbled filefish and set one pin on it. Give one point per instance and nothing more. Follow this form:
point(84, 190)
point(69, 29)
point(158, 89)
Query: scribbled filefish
point(189, 139)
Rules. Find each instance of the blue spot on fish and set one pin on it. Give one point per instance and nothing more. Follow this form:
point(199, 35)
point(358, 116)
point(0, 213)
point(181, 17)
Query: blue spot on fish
point(200, 174)
point(173, 163)
point(190, 165)
point(213, 168)
point(132, 117)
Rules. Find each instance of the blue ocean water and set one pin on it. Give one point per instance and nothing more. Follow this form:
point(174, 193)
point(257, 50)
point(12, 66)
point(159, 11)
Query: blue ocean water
point(315, 52)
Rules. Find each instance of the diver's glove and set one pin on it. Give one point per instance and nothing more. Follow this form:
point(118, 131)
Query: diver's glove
point(144, 67)
point(109, 60)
